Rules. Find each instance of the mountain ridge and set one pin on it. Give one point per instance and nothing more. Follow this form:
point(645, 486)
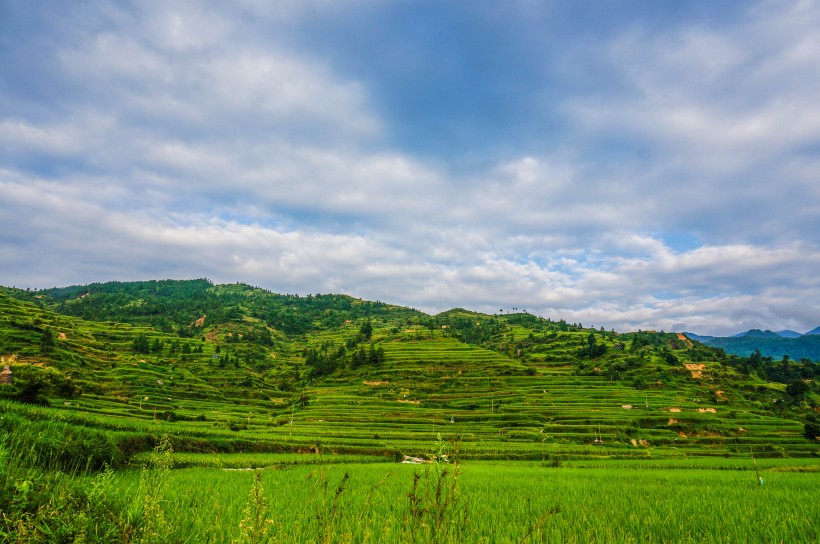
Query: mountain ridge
point(768, 343)
point(786, 333)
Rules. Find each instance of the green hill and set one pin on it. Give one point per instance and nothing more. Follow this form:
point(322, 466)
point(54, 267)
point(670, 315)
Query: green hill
point(770, 344)
point(237, 368)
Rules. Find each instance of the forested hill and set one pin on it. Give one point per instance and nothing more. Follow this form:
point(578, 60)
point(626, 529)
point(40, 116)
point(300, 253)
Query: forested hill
point(199, 308)
point(771, 345)
point(183, 307)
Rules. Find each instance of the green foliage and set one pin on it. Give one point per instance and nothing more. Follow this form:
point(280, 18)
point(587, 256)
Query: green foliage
point(177, 305)
point(784, 371)
point(154, 525)
point(226, 376)
point(366, 330)
point(240, 377)
point(811, 429)
point(593, 350)
point(326, 508)
point(46, 342)
point(140, 344)
point(774, 346)
point(56, 445)
point(798, 389)
point(468, 327)
point(45, 491)
point(34, 384)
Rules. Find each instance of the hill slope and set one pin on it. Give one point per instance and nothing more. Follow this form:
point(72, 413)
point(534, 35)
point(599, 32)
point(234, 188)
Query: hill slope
point(236, 368)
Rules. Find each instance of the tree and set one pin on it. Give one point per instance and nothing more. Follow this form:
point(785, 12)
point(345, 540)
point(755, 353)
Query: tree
point(797, 389)
point(35, 383)
point(359, 358)
point(811, 429)
point(366, 330)
point(32, 392)
point(46, 341)
point(140, 344)
point(593, 350)
point(376, 355)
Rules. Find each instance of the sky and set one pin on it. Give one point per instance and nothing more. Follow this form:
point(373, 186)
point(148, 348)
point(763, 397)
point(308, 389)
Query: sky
point(651, 164)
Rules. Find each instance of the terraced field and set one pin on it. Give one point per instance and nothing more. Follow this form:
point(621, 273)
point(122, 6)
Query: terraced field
point(529, 397)
point(313, 389)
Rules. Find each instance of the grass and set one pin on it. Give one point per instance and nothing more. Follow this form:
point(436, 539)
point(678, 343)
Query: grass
point(324, 498)
point(53, 490)
point(248, 461)
point(511, 502)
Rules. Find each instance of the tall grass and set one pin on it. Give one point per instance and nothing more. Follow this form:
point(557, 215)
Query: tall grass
point(54, 445)
point(149, 505)
point(437, 511)
point(49, 490)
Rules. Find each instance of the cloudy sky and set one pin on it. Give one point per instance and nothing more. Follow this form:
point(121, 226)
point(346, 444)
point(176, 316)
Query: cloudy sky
point(647, 164)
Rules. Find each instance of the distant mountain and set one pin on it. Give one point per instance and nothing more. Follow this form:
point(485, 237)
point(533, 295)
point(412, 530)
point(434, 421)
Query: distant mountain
point(703, 339)
point(770, 344)
point(757, 333)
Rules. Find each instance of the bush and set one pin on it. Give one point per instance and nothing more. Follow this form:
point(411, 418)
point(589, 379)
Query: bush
point(811, 429)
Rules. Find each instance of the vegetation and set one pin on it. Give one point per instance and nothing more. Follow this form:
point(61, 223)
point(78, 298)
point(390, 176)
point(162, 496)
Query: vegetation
point(129, 400)
point(769, 344)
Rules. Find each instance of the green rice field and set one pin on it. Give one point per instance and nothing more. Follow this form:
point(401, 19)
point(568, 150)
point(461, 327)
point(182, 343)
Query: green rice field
point(509, 502)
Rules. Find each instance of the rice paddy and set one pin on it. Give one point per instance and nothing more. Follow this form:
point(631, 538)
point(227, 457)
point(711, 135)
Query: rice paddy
point(510, 502)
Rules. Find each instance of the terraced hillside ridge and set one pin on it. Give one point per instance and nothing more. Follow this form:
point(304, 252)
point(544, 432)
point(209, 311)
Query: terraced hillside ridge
point(233, 368)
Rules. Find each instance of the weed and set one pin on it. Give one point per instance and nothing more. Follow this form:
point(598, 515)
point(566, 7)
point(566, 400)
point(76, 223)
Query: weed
point(326, 507)
point(536, 525)
point(437, 512)
point(256, 526)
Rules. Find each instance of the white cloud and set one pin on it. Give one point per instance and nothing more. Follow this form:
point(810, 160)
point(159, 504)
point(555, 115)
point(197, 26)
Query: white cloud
point(721, 111)
point(20, 136)
point(190, 143)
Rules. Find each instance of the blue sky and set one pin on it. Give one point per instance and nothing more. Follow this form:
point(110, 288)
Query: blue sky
point(648, 164)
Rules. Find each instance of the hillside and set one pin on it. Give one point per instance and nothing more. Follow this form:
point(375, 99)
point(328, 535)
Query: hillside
point(236, 368)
